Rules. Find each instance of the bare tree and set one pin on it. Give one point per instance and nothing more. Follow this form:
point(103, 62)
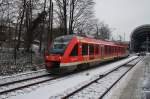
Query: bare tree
point(77, 15)
point(71, 19)
point(33, 20)
point(83, 15)
point(43, 27)
point(22, 14)
point(50, 24)
point(62, 6)
point(104, 31)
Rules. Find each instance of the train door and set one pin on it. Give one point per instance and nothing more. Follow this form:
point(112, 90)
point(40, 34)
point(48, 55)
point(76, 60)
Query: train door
point(80, 51)
point(117, 51)
point(113, 51)
point(108, 51)
point(74, 55)
point(91, 51)
point(102, 51)
point(105, 51)
point(85, 52)
point(96, 53)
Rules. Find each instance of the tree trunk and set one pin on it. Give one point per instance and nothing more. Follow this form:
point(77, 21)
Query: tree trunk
point(43, 27)
point(20, 26)
point(65, 16)
point(72, 5)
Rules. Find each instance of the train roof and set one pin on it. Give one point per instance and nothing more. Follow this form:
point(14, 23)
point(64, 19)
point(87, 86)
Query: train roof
point(94, 41)
point(100, 41)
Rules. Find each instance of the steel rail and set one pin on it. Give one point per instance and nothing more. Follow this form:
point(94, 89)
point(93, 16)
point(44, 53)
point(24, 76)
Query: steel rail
point(118, 80)
point(27, 85)
point(100, 77)
point(35, 83)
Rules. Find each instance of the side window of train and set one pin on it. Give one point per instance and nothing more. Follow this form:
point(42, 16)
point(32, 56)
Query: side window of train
point(74, 51)
point(102, 51)
point(105, 51)
point(96, 49)
point(114, 49)
point(91, 47)
point(84, 49)
point(110, 50)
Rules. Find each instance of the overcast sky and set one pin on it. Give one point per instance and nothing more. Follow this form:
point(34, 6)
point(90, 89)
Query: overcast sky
point(123, 15)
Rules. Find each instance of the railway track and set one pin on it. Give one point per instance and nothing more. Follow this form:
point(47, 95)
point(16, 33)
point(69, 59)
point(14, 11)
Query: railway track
point(22, 76)
point(11, 84)
point(101, 82)
point(16, 82)
point(25, 80)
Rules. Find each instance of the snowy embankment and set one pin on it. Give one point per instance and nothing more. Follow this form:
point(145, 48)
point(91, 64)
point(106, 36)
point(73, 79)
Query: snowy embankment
point(67, 84)
point(14, 62)
point(22, 76)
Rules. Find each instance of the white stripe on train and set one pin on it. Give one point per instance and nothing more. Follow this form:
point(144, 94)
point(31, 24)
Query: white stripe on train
point(89, 61)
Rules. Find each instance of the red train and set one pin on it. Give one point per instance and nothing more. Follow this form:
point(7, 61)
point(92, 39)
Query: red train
point(72, 52)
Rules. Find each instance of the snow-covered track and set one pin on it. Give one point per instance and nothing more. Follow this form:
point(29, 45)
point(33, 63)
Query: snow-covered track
point(101, 82)
point(31, 80)
point(22, 77)
point(65, 83)
point(23, 80)
point(23, 84)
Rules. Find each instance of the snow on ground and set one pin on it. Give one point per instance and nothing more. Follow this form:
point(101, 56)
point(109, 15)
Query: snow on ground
point(35, 48)
point(146, 79)
point(62, 86)
point(95, 90)
point(118, 91)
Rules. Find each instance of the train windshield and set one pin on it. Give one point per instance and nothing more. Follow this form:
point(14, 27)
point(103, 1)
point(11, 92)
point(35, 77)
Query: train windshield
point(59, 44)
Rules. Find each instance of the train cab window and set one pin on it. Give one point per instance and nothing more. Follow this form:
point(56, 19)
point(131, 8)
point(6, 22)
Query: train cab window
point(74, 52)
point(91, 47)
point(60, 44)
point(84, 49)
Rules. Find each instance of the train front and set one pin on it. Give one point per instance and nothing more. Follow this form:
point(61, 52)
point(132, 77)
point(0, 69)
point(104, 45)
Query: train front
point(55, 54)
